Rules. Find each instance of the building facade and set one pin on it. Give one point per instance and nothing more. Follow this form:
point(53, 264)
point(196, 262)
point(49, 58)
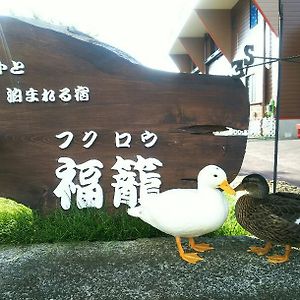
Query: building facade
point(241, 38)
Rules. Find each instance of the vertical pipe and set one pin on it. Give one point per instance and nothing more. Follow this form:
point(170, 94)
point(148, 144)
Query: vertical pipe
point(277, 116)
point(264, 85)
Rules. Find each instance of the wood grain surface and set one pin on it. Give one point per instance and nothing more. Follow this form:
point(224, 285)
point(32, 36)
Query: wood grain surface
point(124, 97)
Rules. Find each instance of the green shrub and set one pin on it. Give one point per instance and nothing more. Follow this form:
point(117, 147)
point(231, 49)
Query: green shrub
point(15, 222)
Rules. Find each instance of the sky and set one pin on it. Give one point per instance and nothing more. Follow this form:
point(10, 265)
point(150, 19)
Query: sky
point(145, 29)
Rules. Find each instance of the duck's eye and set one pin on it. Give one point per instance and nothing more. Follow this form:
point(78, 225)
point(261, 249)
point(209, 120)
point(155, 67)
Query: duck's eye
point(215, 175)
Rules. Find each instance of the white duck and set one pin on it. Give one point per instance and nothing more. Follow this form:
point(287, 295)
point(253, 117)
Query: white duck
point(188, 213)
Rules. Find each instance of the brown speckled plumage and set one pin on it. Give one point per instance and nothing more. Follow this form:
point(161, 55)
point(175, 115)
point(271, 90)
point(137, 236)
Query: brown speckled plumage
point(270, 217)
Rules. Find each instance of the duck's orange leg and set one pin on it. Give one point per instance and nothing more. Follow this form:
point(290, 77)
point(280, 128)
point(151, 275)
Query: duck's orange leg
point(279, 259)
point(200, 247)
point(261, 250)
point(191, 258)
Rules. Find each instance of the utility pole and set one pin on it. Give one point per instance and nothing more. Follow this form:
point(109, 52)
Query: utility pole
point(277, 116)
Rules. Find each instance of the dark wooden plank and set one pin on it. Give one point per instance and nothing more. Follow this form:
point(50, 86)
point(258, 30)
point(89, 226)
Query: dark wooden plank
point(124, 97)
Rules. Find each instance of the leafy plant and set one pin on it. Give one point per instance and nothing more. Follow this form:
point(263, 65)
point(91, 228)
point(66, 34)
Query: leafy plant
point(16, 222)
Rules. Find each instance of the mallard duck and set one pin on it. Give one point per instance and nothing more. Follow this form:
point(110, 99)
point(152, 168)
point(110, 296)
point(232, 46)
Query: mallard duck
point(189, 213)
point(274, 218)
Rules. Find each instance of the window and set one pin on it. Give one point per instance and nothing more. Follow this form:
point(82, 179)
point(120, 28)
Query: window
point(210, 46)
point(253, 14)
point(250, 84)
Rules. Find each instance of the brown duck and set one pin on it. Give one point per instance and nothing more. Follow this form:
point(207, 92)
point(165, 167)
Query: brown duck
point(274, 218)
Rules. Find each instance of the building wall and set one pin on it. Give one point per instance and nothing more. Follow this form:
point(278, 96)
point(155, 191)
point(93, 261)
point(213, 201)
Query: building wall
point(261, 79)
point(271, 70)
point(269, 8)
point(287, 129)
point(261, 88)
point(264, 78)
point(240, 26)
point(290, 77)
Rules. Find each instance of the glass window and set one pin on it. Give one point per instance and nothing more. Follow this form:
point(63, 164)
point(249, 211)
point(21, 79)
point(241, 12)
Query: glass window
point(210, 45)
point(253, 15)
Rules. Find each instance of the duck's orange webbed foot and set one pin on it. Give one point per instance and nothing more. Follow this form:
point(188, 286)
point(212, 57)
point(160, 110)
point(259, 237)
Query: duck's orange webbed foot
point(191, 258)
point(279, 259)
point(203, 247)
point(261, 250)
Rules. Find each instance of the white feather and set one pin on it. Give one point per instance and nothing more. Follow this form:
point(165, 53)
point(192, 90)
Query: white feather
point(297, 221)
point(239, 194)
point(187, 212)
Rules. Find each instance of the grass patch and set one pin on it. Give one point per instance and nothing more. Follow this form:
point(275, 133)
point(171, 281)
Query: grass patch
point(89, 225)
point(231, 227)
point(16, 221)
point(20, 225)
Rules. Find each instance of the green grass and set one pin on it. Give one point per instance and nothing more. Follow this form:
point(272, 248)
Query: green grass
point(16, 221)
point(231, 226)
point(89, 225)
point(20, 225)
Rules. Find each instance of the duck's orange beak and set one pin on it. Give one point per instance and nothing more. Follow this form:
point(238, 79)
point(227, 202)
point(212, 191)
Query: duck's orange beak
point(227, 188)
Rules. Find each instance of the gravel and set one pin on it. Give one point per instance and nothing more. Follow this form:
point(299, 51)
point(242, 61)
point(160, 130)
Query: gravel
point(144, 269)
point(282, 186)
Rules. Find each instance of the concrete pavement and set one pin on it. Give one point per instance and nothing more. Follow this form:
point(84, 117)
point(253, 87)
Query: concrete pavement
point(144, 269)
point(259, 158)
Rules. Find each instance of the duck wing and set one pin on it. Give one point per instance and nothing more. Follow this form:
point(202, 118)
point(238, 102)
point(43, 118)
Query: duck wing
point(285, 195)
point(284, 205)
point(281, 218)
point(274, 218)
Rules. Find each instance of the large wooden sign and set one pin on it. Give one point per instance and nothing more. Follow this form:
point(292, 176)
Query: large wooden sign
point(82, 124)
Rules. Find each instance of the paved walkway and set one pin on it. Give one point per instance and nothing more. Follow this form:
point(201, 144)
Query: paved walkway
point(145, 269)
point(260, 155)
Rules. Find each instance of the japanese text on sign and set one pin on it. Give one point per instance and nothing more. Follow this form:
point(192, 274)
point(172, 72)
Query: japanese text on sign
point(135, 179)
point(32, 95)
